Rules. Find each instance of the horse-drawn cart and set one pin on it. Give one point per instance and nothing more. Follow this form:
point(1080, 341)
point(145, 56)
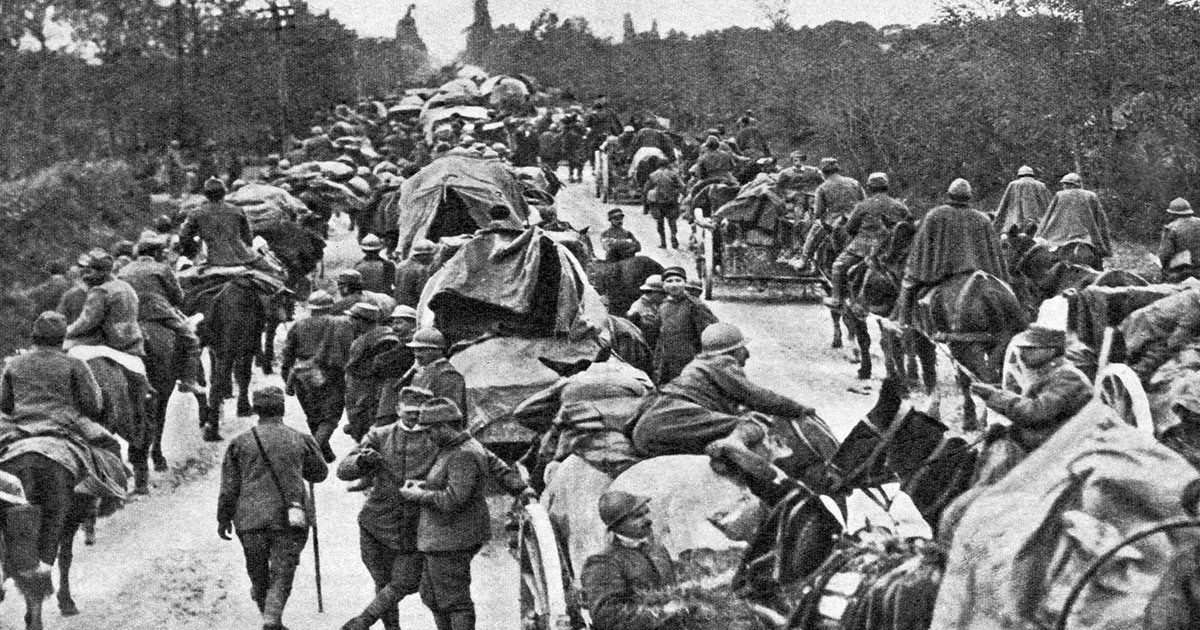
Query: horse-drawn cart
point(755, 238)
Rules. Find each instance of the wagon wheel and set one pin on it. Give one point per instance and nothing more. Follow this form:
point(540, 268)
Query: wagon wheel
point(1011, 378)
point(709, 264)
point(1120, 388)
point(543, 596)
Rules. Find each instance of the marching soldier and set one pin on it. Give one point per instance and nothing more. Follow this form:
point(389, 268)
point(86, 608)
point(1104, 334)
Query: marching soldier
point(1179, 245)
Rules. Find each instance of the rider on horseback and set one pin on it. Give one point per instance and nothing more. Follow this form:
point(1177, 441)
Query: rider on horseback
point(1076, 216)
point(159, 299)
point(110, 310)
point(870, 223)
point(834, 201)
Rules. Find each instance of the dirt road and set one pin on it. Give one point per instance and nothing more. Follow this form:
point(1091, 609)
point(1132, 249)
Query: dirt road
point(159, 563)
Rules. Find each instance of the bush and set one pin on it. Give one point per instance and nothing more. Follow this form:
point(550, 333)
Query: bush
point(56, 214)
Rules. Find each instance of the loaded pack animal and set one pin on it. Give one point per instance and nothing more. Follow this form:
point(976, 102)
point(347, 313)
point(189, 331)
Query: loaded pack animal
point(829, 241)
point(709, 198)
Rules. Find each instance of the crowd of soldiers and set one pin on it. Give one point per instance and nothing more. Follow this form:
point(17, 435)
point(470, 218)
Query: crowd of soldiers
point(360, 352)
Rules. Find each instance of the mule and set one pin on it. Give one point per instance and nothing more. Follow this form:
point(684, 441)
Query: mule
point(59, 512)
point(232, 331)
point(164, 366)
point(826, 242)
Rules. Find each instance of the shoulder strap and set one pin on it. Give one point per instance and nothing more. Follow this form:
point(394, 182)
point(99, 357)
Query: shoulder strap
point(270, 468)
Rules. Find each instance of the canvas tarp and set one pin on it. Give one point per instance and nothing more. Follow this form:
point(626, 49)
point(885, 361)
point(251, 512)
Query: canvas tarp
point(264, 204)
point(509, 283)
point(452, 196)
point(432, 114)
point(501, 372)
point(1023, 543)
point(757, 203)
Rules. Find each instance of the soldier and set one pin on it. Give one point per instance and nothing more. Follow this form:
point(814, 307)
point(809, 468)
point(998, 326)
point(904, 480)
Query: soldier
point(351, 291)
point(223, 229)
point(715, 164)
point(364, 370)
point(617, 231)
point(1024, 202)
point(1076, 216)
point(644, 312)
point(837, 195)
point(264, 498)
point(377, 273)
point(868, 227)
point(433, 371)
point(1056, 392)
point(551, 222)
point(45, 296)
point(176, 170)
point(403, 322)
point(454, 522)
point(634, 564)
point(683, 318)
point(414, 272)
point(110, 310)
point(159, 299)
point(314, 362)
point(662, 193)
point(1179, 245)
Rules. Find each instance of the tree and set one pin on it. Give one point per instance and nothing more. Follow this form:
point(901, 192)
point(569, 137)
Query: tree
point(479, 34)
point(628, 32)
point(777, 13)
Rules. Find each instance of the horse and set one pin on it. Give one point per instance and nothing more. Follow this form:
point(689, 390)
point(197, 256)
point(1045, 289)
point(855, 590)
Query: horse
point(1040, 271)
point(164, 367)
point(825, 243)
point(232, 330)
point(708, 198)
point(58, 511)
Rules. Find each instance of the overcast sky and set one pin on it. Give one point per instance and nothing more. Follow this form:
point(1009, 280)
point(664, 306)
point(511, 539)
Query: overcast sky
point(441, 22)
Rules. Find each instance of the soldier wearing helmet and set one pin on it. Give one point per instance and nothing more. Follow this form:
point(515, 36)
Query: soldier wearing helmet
point(616, 580)
point(953, 238)
point(706, 408)
point(365, 368)
point(870, 223)
point(313, 366)
point(351, 291)
point(378, 273)
point(1076, 216)
point(433, 371)
point(1024, 202)
point(412, 274)
point(110, 311)
point(1179, 245)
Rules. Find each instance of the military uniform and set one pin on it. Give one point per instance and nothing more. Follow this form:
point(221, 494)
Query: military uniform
point(159, 301)
point(615, 580)
point(441, 378)
point(1179, 236)
point(662, 192)
point(1024, 203)
point(323, 342)
point(868, 227)
point(1075, 214)
point(682, 320)
point(378, 275)
point(46, 384)
point(614, 234)
point(256, 506)
point(224, 230)
point(836, 198)
point(364, 377)
point(383, 302)
point(1057, 391)
point(109, 318)
point(703, 404)
point(411, 276)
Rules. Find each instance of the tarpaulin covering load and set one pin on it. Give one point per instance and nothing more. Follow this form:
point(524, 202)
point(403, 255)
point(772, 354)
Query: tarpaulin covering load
point(1025, 542)
point(1094, 308)
point(265, 204)
point(757, 203)
point(509, 283)
point(431, 115)
point(501, 372)
point(452, 196)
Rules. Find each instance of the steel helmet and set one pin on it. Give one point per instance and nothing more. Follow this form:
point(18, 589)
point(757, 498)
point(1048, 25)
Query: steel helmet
point(320, 300)
point(960, 189)
point(616, 506)
point(404, 311)
point(371, 243)
point(1025, 171)
point(1071, 178)
point(213, 186)
point(439, 411)
point(365, 311)
point(1180, 206)
point(428, 338)
point(878, 180)
point(653, 283)
point(721, 337)
point(424, 246)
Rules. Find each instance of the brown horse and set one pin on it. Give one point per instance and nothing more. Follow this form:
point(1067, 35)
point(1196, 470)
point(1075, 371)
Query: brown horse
point(232, 330)
point(164, 367)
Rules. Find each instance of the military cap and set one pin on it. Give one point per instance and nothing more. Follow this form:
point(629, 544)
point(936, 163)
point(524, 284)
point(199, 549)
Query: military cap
point(213, 185)
point(439, 411)
point(1039, 336)
point(404, 311)
point(49, 326)
point(829, 164)
point(320, 300)
point(617, 506)
point(721, 337)
point(674, 272)
point(268, 397)
point(1180, 206)
point(652, 283)
point(349, 276)
point(424, 246)
point(1025, 171)
point(96, 259)
point(616, 212)
point(1071, 178)
point(370, 243)
point(428, 338)
point(960, 189)
point(365, 311)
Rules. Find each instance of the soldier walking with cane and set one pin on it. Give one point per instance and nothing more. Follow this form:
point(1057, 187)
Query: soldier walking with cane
point(263, 496)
